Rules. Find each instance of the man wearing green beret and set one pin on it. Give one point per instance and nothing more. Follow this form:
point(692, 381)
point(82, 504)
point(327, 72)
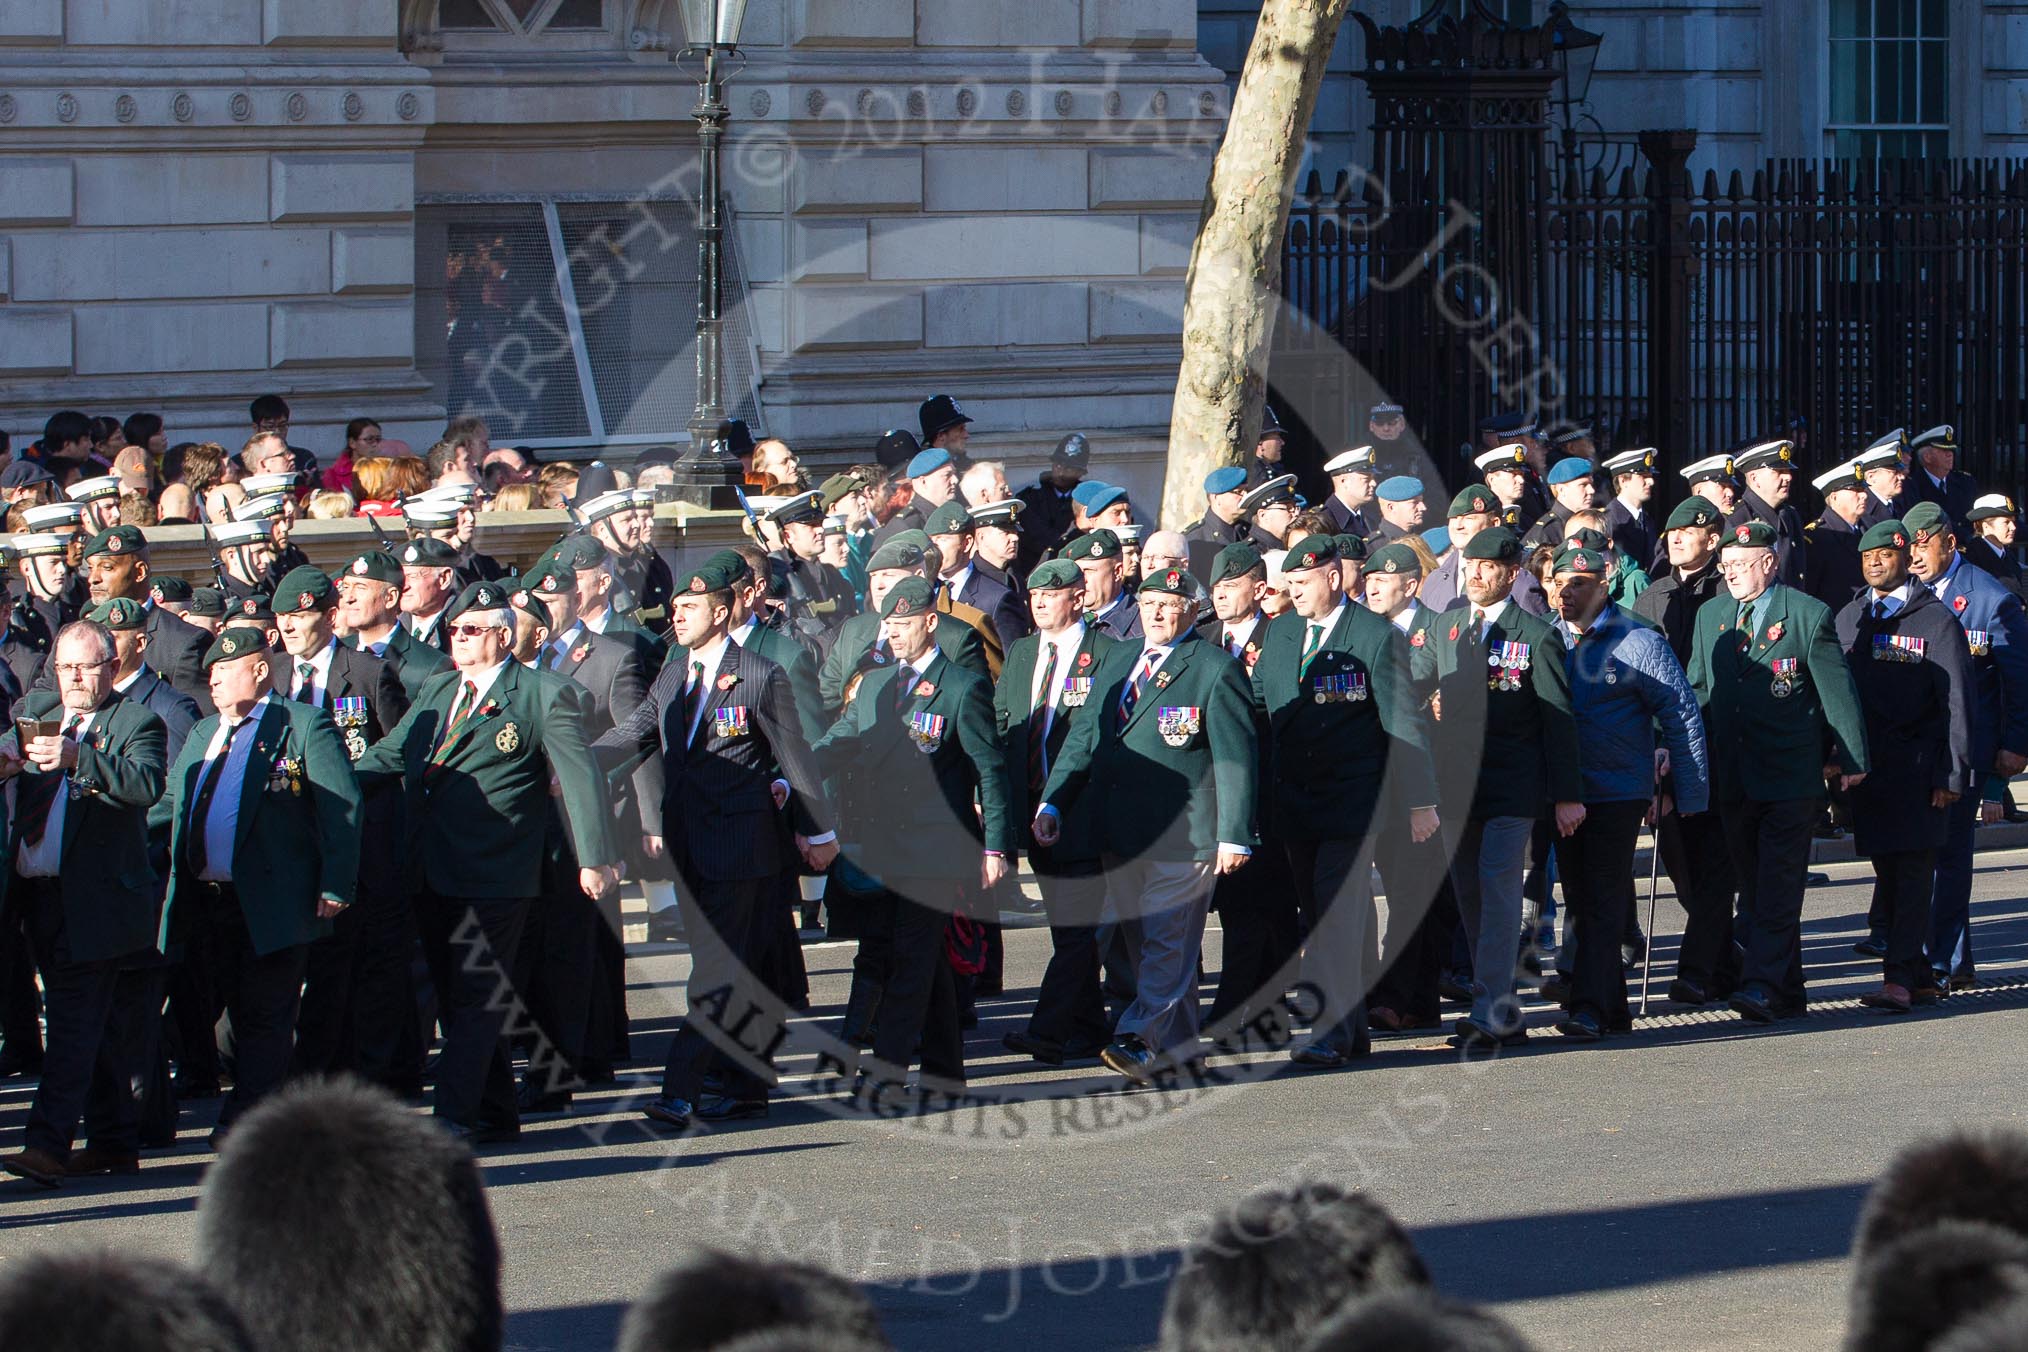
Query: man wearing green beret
point(79, 880)
point(954, 530)
point(116, 564)
point(1166, 745)
point(1913, 668)
point(1109, 606)
point(1694, 848)
point(597, 586)
point(1473, 510)
point(357, 991)
point(719, 729)
point(264, 853)
point(1047, 679)
point(1781, 717)
point(1506, 754)
point(475, 755)
point(369, 606)
point(135, 680)
point(862, 643)
point(1334, 681)
point(429, 583)
point(920, 727)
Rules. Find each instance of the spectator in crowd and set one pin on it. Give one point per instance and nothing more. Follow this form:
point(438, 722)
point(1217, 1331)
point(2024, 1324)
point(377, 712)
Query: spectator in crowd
point(108, 440)
point(381, 482)
point(777, 468)
point(138, 509)
point(508, 465)
point(328, 505)
point(270, 414)
point(66, 439)
point(146, 431)
point(27, 484)
point(556, 483)
point(362, 441)
point(515, 497)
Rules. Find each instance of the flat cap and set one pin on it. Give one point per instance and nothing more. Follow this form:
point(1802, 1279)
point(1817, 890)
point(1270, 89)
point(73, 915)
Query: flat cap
point(24, 474)
point(304, 588)
point(234, 642)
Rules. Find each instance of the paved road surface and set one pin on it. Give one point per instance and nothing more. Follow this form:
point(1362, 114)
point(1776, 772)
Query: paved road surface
point(1691, 1186)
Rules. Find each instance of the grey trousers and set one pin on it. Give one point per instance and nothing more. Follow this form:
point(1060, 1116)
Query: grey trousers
point(1162, 903)
point(1334, 888)
point(1489, 857)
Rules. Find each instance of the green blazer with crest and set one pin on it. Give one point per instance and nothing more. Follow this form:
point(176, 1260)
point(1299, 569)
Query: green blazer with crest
point(297, 836)
point(1501, 751)
point(109, 892)
point(476, 817)
point(1012, 705)
point(1765, 746)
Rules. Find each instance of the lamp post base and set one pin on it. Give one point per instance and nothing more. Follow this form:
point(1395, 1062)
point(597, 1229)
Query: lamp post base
point(708, 476)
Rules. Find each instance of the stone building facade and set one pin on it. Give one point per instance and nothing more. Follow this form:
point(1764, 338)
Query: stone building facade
point(396, 209)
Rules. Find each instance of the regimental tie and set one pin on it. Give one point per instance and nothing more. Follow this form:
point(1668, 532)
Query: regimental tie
point(306, 683)
point(1038, 725)
point(1314, 641)
point(37, 793)
point(1132, 695)
point(468, 695)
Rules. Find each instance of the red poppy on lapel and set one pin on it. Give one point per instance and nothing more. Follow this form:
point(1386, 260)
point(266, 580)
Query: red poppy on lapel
point(1774, 633)
point(1083, 661)
point(728, 681)
point(1415, 639)
point(1454, 633)
point(580, 652)
point(1958, 604)
point(925, 690)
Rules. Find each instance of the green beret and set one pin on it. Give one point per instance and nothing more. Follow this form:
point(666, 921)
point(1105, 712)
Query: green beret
point(1577, 558)
point(1474, 500)
point(1495, 542)
point(1888, 534)
point(1099, 544)
point(529, 604)
point(234, 642)
point(259, 607)
point(1235, 560)
point(304, 588)
point(553, 577)
point(713, 575)
point(581, 552)
point(1312, 551)
point(1587, 538)
point(119, 613)
point(1171, 581)
point(429, 552)
point(1926, 519)
point(1055, 575)
point(1351, 548)
point(377, 565)
point(911, 596)
point(207, 602)
point(1752, 535)
point(895, 554)
point(172, 589)
point(478, 596)
point(836, 489)
point(1700, 512)
point(1393, 559)
point(118, 540)
point(950, 519)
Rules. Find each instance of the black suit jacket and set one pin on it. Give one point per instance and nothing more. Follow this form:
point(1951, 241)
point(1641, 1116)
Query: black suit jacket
point(176, 650)
point(360, 675)
point(1001, 603)
point(615, 678)
point(717, 811)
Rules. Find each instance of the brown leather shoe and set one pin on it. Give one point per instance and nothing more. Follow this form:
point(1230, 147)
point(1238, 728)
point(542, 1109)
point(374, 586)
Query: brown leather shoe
point(1383, 1018)
point(38, 1166)
point(95, 1161)
point(1889, 999)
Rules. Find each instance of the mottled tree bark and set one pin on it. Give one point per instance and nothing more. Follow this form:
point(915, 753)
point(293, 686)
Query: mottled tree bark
point(1235, 267)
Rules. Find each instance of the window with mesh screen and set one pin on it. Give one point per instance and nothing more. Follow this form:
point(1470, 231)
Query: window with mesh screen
point(634, 268)
point(1890, 79)
point(491, 328)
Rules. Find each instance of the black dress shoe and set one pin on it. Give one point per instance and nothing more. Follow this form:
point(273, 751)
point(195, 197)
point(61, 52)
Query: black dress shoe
point(1556, 990)
point(187, 1089)
point(498, 1133)
point(1320, 1056)
point(1683, 992)
point(1872, 946)
point(12, 1064)
point(1581, 1027)
point(670, 1112)
point(1631, 955)
point(1128, 1055)
point(1455, 992)
point(722, 1108)
point(533, 1098)
point(1035, 1048)
point(664, 927)
point(1470, 1033)
point(1752, 1006)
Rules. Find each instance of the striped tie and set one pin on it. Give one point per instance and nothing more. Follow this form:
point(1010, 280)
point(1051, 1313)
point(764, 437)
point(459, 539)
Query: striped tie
point(1038, 725)
point(1316, 641)
point(1132, 696)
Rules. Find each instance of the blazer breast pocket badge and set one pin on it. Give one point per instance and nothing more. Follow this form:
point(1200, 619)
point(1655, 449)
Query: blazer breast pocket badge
point(349, 713)
point(1179, 723)
point(730, 721)
point(1784, 683)
point(508, 740)
point(926, 731)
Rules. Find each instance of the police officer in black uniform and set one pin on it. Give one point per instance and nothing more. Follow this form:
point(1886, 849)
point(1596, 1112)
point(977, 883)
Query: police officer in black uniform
point(1047, 515)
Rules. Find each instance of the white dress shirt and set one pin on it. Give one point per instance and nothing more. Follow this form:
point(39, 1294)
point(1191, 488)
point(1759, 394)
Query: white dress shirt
point(1404, 618)
point(742, 633)
point(1492, 614)
point(1049, 679)
point(1237, 635)
point(320, 679)
point(221, 820)
point(44, 859)
point(561, 647)
point(422, 628)
point(708, 658)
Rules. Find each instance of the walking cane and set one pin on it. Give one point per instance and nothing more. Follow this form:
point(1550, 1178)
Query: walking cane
point(1654, 886)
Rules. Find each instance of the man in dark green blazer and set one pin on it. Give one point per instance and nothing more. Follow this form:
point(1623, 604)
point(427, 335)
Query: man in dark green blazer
point(921, 729)
point(1506, 757)
point(1781, 718)
point(862, 646)
point(369, 606)
point(1166, 746)
point(475, 755)
point(1350, 741)
point(79, 877)
point(263, 850)
point(1047, 679)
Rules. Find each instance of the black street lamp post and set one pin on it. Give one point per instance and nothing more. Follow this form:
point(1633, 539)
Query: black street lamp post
point(1576, 58)
point(709, 473)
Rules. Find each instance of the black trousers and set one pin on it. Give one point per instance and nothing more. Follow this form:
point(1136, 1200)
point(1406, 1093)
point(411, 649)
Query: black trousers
point(1903, 883)
point(1595, 862)
point(775, 952)
point(1694, 851)
point(1770, 846)
point(471, 943)
point(262, 992)
point(1422, 924)
point(359, 994)
point(20, 1006)
point(97, 1034)
point(555, 970)
point(1334, 898)
point(606, 1039)
point(723, 922)
point(1257, 919)
point(1070, 1008)
point(920, 1006)
point(199, 983)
